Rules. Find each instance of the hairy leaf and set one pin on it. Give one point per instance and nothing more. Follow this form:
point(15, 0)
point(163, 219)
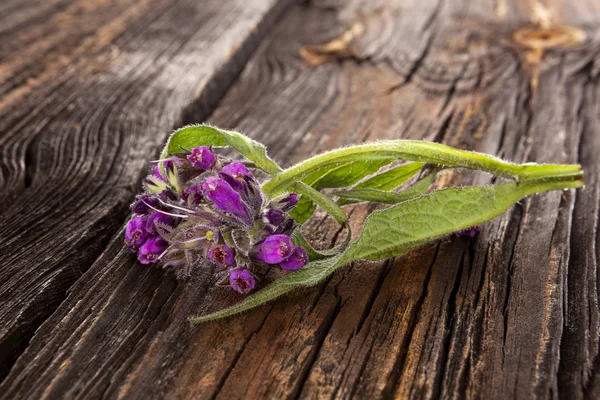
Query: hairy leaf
point(413, 150)
point(303, 210)
point(335, 176)
point(397, 229)
point(191, 136)
point(391, 178)
point(380, 196)
point(324, 201)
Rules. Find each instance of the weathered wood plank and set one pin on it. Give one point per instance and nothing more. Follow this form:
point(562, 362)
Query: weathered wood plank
point(87, 96)
point(512, 313)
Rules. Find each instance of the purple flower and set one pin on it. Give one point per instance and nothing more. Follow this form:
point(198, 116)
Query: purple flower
point(469, 232)
point(275, 216)
point(143, 204)
point(192, 195)
point(152, 248)
point(202, 158)
point(157, 217)
point(297, 260)
point(221, 255)
point(135, 233)
point(288, 202)
point(156, 172)
point(241, 280)
point(236, 175)
point(224, 197)
point(237, 170)
point(274, 249)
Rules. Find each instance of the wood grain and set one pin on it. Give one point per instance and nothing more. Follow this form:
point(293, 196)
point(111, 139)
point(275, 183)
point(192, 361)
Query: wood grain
point(88, 97)
point(511, 314)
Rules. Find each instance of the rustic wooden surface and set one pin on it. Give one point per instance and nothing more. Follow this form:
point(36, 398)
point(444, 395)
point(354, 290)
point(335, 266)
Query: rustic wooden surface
point(91, 89)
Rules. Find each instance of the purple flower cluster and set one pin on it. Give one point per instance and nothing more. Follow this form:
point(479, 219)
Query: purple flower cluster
point(202, 206)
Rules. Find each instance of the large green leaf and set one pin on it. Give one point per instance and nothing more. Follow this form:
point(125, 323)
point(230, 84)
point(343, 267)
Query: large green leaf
point(397, 229)
point(413, 150)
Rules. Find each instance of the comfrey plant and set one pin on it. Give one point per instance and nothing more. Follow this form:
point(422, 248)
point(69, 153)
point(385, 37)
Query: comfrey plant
point(202, 208)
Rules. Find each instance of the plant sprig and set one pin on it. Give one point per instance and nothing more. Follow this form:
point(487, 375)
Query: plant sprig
point(353, 174)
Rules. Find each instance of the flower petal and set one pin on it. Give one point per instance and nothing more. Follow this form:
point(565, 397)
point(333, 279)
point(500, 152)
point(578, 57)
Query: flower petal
point(297, 260)
point(274, 249)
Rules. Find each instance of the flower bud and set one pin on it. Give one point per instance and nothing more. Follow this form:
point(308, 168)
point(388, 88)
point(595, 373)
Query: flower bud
point(274, 249)
point(288, 202)
point(274, 216)
point(235, 175)
point(157, 174)
point(286, 227)
point(241, 280)
point(202, 158)
point(168, 194)
point(296, 260)
point(224, 197)
point(152, 248)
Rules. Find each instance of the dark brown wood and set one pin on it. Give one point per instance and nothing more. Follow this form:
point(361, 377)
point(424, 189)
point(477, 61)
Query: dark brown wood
point(511, 314)
point(90, 91)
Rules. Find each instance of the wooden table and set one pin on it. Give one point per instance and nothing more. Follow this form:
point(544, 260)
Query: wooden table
point(90, 90)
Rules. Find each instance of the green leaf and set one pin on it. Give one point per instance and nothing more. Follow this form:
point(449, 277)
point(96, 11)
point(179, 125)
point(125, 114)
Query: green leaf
point(335, 176)
point(344, 174)
point(375, 196)
point(192, 136)
point(313, 273)
point(188, 137)
point(252, 150)
point(391, 178)
point(303, 210)
point(413, 150)
point(395, 230)
point(324, 201)
point(380, 196)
